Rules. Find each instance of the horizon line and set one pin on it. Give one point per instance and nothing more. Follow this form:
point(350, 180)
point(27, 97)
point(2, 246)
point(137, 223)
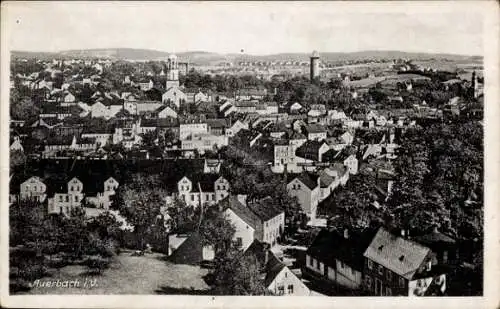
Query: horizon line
point(257, 55)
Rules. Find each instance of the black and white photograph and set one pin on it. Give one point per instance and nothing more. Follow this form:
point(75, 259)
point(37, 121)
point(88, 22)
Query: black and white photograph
point(245, 149)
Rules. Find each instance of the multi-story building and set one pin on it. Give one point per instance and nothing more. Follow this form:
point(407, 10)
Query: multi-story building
point(395, 265)
point(306, 187)
point(337, 258)
point(192, 125)
point(34, 188)
point(196, 190)
point(254, 220)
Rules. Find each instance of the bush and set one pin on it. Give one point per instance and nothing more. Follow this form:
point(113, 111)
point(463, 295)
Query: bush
point(32, 272)
point(19, 285)
point(97, 264)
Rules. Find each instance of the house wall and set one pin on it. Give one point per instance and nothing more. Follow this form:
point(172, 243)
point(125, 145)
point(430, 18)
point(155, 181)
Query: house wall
point(175, 95)
point(273, 228)
point(33, 188)
point(101, 138)
point(316, 136)
point(188, 129)
point(352, 164)
point(242, 229)
point(167, 112)
point(308, 199)
point(347, 276)
point(315, 265)
point(286, 282)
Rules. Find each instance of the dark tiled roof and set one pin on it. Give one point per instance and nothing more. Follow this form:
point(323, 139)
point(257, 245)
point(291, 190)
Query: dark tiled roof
point(264, 209)
point(217, 123)
point(60, 140)
point(331, 245)
point(310, 180)
point(309, 150)
point(398, 254)
point(315, 128)
point(435, 237)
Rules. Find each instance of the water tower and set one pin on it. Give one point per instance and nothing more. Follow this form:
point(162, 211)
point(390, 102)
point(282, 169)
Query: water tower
point(314, 65)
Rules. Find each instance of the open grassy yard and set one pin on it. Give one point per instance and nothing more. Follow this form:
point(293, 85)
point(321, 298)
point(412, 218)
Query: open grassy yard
point(148, 274)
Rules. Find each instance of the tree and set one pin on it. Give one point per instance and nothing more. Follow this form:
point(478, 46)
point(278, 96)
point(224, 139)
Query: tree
point(216, 231)
point(238, 276)
point(24, 109)
point(17, 158)
point(140, 202)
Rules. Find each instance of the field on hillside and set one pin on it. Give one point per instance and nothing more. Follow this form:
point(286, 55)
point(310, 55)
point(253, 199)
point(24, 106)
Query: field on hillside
point(148, 274)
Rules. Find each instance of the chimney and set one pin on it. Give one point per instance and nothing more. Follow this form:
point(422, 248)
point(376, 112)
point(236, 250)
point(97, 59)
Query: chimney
point(242, 198)
point(346, 233)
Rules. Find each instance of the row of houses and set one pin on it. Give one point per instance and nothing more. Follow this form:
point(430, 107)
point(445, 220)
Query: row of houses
point(63, 195)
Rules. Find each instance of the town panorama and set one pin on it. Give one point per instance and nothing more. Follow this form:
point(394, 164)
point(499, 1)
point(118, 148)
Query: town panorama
point(201, 174)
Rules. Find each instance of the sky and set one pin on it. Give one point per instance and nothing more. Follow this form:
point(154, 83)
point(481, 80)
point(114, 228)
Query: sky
point(257, 28)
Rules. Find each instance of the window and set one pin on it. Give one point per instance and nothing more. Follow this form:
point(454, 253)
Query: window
point(239, 242)
point(388, 274)
point(67, 198)
point(72, 188)
point(401, 282)
point(192, 197)
point(34, 188)
point(218, 187)
point(311, 261)
point(60, 198)
point(281, 290)
point(380, 269)
point(368, 281)
point(290, 289)
point(370, 264)
point(76, 198)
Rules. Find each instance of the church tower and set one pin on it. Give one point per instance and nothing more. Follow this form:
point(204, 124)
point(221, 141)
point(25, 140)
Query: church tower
point(172, 72)
point(475, 85)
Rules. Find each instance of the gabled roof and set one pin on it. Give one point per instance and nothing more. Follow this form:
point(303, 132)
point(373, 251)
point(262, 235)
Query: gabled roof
point(242, 211)
point(309, 180)
point(272, 267)
point(52, 121)
point(398, 254)
point(264, 209)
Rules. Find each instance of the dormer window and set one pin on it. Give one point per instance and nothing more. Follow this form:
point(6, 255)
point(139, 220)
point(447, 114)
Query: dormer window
point(401, 258)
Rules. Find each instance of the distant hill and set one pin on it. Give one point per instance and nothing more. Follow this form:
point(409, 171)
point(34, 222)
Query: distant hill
point(206, 58)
